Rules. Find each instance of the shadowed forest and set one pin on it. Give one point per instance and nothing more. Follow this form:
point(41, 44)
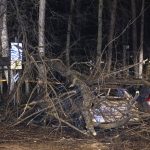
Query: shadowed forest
point(76, 71)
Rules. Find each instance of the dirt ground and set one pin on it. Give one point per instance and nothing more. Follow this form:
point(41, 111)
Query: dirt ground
point(38, 138)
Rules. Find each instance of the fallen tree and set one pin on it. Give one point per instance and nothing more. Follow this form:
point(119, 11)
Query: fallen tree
point(60, 99)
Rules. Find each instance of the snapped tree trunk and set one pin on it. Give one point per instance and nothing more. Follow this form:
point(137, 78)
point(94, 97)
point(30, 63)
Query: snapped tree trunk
point(134, 38)
point(99, 37)
point(141, 42)
point(69, 34)
point(111, 34)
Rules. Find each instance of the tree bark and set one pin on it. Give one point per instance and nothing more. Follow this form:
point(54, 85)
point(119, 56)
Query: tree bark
point(41, 44)
point(69, 35)
point(3, 33)
point(100, 24)
point(141, 42)
point(41, 47)
point(134, 38)
point(111, 34)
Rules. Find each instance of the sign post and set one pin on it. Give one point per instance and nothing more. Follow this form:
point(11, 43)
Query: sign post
point(15, 64)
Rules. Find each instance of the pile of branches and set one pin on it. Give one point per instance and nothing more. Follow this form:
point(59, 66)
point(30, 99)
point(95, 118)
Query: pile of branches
point(50, 94)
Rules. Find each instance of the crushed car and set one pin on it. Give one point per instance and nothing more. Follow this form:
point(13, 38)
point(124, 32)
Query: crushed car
point(109, 108)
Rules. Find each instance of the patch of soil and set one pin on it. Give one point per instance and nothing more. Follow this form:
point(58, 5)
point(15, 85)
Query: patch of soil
point(38, 138)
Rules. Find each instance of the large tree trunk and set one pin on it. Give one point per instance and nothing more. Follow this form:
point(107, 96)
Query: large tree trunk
point(141, 42)
point(4, 35)
point(111, 34)
point(3, 32)
point(69, 34)
point(134, 37)
point(99, 38)
point(41, 45)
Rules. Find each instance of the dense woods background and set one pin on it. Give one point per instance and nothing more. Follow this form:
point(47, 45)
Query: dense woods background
point(23, 23)
point(71, 43)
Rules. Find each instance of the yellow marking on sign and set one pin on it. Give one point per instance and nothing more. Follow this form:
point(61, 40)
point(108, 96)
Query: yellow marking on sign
point(3, 80)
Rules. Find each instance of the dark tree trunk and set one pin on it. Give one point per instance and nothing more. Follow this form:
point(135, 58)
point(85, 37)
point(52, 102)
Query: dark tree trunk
point(134, 38)
point(69, 34)
point(111, 34)
point(141, 42)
